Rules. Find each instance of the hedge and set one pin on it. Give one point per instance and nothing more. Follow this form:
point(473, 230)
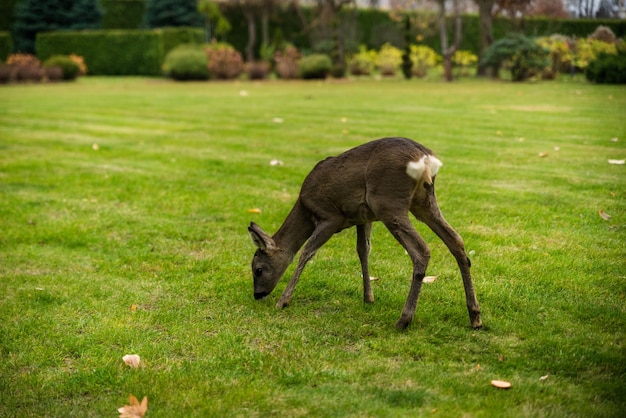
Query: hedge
point(117, 52)
point(6, 46)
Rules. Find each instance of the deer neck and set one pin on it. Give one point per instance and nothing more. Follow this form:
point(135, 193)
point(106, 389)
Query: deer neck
point(296, 229)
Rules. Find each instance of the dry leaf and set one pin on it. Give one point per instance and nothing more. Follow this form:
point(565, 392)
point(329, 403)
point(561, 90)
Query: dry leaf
point(542, 378)
point(543, 154)
point(95, 147)
point(277, 120)
point(254, 210)
point(500, 384)
point(131, 360)
point(135, 409)
point(429, 279)
point(617, 162)
point(274, 163)
point(243, 93)
point(614, 139)
point(373, 279)
point(133, 308)
point(604, 215)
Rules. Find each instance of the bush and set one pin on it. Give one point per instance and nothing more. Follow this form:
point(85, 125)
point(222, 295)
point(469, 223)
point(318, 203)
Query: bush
point(588, 49)
point(69, 67)
point(7, 73)
point(603, 34)
point(23, 60)
point(80, 61)
point(287, 62)
point(362, 63)
point(560, 54)
point(54, 74)
point(225, 63)
point(389, 60)
point(424, 58)
point(186, 62)
point(258, 70)
point(315, 66)
point(6, 45)
point(607, 69)
point(463, 61)
point(519, 54)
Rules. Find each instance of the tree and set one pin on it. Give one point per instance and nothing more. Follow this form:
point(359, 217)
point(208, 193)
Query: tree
point(214, 20)
point(163, 13)
point(447, 50)
point(485, 17)
point(34, 16)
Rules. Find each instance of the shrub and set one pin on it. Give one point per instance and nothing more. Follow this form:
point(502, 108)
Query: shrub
point(560, 54)
point(68, 66)
point(54, 74)
point(80, 61)
point(225, 63)
point(389, 60)
point(315, 66)
point(23, 60)
point(588, 49)
point(608, 69)
point(603, 34)
point(519, 54)
point(362, 63)
point(7, 73)
point(464, 61)
point(424, 58)
point(258, 70)
point(287, 62)
point(186, 62)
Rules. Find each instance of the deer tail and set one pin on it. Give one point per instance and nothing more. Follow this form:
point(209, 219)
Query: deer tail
point(424, 169)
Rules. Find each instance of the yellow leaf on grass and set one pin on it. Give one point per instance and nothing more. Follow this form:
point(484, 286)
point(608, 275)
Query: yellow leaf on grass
point(604, 215)
point(254, 210)
point(500, 384)
point(132, 360)
point(429, 279)
point(135, 409)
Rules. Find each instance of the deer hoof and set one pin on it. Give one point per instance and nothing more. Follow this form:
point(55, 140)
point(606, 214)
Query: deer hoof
point(403, 323)
point(282, 304)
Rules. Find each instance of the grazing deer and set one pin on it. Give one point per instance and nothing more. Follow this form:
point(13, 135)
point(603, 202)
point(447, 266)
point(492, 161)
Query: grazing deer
point(381, 180)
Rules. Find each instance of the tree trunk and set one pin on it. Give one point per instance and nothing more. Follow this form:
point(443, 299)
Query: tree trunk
point(448, 51)
point(251, 36)
point(485, 8)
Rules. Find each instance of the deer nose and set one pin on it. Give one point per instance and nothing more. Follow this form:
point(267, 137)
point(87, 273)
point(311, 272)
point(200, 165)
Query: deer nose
point(260, 295)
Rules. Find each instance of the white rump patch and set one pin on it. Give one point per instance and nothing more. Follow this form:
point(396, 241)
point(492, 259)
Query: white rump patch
point(427, 167)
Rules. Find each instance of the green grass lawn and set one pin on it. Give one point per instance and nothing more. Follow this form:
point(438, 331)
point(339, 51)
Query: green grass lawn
point(124, 212)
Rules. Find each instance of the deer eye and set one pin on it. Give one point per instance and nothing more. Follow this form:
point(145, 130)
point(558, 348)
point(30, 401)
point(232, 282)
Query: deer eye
point(258, 272)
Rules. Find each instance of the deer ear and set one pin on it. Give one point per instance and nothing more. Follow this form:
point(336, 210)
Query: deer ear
point(261, 239)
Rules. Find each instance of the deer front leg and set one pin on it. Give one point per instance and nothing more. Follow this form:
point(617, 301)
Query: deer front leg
point(418, 250)
point(363, 247)
point(322, 233)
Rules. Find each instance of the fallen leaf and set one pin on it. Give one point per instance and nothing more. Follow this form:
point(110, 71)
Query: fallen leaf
point(344, 120)
point(243, 93)
point(95, 147)
point(604, 215)
point(131, 360)
point(373, 279)
point(543, 154)
point(135, 409)
point(614, 139)
point(254, 210)
point(277, 120)
point(500, 384)
point(617, 162)
point(429, 279)
point(557, 148)
point(275, 163)
point(542, 378)
point(133, 308)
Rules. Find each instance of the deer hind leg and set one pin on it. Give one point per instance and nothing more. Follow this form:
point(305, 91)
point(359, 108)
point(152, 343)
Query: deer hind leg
point(363, 247)
point(322, 233)
point(404, 232)
point(435, 221)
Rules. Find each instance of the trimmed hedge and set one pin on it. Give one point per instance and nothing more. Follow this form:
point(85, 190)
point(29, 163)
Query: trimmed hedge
point(6, 45)
point(117, 52)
